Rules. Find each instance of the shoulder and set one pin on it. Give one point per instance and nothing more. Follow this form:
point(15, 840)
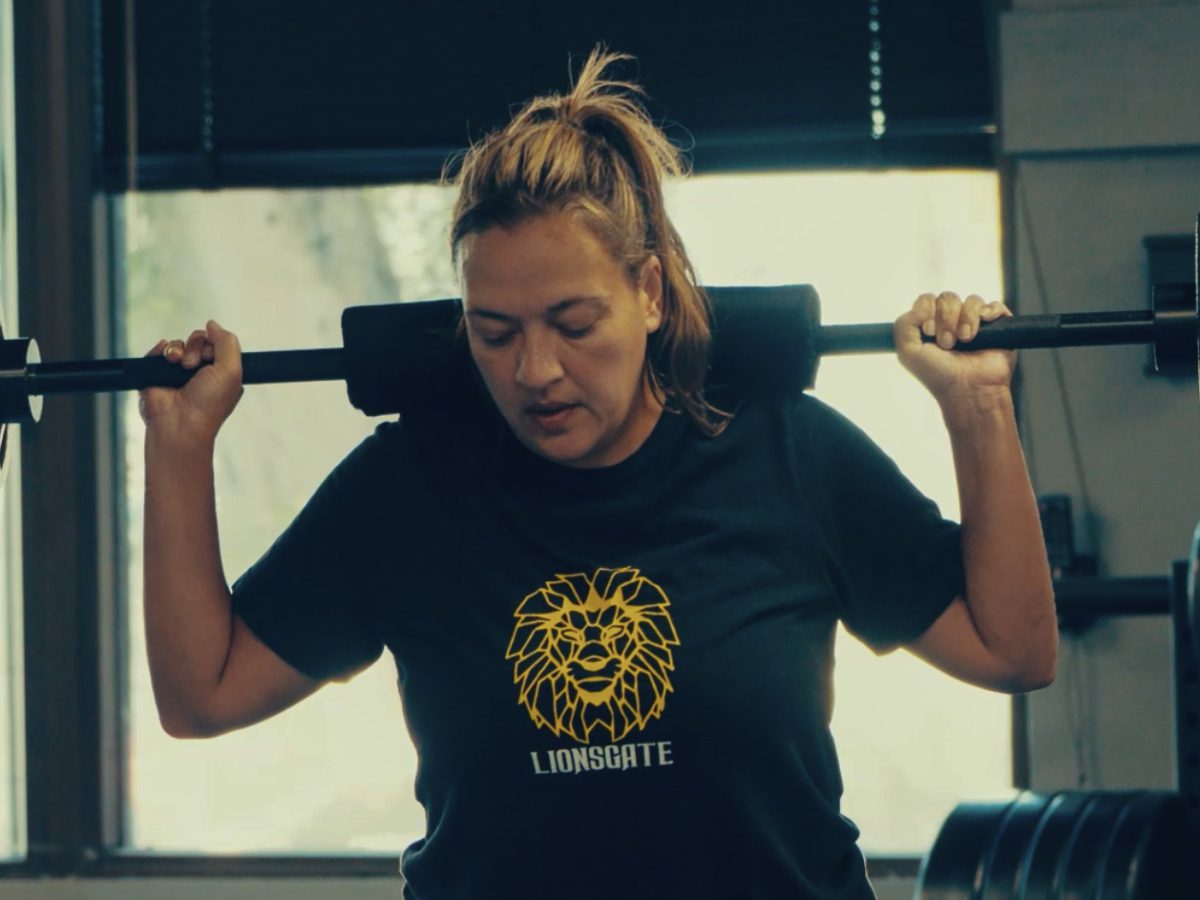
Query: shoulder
point(383, 460)
point(387, 440)
point(824, 429)
point(825, 446)
point(801, 419)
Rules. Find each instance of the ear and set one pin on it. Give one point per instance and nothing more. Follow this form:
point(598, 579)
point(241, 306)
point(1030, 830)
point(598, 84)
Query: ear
point(650, 292)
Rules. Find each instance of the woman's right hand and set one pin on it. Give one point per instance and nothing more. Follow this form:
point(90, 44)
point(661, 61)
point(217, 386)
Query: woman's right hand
point(197, 410)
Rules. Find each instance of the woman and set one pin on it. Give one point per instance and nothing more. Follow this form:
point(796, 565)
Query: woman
point(612, 604)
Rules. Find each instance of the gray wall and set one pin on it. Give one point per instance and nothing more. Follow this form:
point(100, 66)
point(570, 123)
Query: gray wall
point(1099, 118)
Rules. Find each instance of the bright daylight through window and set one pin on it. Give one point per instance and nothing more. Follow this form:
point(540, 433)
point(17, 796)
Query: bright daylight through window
point(276, 267)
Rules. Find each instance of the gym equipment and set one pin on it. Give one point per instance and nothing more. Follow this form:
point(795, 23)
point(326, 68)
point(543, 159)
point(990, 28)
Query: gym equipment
point(14, 354)
point(1079, 845)
point(1080, 601)
point(1071, 845)
point(396, 357)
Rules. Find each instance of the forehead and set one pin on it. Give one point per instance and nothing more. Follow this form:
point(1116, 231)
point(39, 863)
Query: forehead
point(536, 263)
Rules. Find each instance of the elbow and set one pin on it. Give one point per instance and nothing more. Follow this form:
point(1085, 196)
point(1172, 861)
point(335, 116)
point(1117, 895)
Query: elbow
point(1048, 672)
point(1031, 661)
point(184, 724)
point(1029, 682)
point(1035, 673)
point(1045, 669)
point(177, 728)
point(183, 727)
point(188, 711)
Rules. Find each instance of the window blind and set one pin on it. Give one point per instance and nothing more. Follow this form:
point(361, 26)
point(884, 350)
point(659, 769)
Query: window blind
point(327, 92)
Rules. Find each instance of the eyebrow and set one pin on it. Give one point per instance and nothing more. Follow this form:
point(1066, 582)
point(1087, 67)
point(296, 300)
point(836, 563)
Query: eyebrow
point(560, 307)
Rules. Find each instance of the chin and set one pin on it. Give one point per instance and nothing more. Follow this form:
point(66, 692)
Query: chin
point(565, 453)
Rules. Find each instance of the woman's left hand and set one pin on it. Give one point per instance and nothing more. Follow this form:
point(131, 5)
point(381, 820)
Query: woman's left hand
point(954, 322)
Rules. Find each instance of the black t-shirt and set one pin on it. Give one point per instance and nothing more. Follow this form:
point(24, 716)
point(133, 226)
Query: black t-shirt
point(618, 680)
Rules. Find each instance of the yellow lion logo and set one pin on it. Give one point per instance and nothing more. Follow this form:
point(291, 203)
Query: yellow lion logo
point(593, 653)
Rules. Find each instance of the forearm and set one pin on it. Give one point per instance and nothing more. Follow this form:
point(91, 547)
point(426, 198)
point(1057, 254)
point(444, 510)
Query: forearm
point(188, 617)
point(1010, 594)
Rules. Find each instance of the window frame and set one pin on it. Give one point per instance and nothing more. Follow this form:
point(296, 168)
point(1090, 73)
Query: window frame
point(68, 236)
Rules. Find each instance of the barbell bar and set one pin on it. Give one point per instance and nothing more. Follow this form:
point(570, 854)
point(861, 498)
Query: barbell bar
point(395, 356)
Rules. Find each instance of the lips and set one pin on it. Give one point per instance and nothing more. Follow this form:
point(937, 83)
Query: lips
point(550, 415)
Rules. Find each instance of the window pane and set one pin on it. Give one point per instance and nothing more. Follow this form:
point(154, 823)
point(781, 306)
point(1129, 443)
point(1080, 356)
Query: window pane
point(335, 772)
point(871, 243)
point(12, 676)
point(12, 740)
point(277, 267)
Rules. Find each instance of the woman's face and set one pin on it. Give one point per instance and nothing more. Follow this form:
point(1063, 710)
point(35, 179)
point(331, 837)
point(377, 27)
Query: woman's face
point(558, 332)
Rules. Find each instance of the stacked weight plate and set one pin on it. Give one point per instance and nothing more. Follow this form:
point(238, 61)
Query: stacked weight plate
point(1073, 845)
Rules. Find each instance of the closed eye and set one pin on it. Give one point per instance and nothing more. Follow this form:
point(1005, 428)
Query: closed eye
point(497, 340)
point(575, 333)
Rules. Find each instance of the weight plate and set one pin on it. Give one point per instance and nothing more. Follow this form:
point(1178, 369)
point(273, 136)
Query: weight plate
point(1046, 851)
point(3, 453)
point(1151, 851)
point(3, 431)
point(1175, 342)
point(1193, 598)
point(1193, 601)
point(17, 405)
point(953, 868)
point(1004, 864)
point(1082, 863)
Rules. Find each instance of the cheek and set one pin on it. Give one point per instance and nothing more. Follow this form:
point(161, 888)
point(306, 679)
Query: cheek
point(613, 379)
point(492, 367)
point(606, 370)
point(621, 362)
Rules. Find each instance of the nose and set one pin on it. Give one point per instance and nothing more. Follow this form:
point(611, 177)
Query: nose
point(538, 365)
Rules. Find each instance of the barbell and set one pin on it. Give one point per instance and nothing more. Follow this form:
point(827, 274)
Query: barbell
point(401, 357)
point(395, 356)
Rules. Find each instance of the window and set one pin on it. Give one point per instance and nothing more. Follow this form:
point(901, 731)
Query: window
point(871, 243)
point(335, 772)
point(277, 267)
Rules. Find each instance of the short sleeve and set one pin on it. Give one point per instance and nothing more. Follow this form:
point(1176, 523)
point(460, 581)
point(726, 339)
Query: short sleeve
point(895, 560)
point(309, 597)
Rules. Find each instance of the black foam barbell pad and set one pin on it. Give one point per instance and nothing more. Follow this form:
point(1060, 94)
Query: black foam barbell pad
point(407, 357)
point(765, 339)
point(403, 357)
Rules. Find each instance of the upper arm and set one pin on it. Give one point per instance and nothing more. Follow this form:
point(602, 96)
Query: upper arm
point(255, 684)
point(954, 645)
